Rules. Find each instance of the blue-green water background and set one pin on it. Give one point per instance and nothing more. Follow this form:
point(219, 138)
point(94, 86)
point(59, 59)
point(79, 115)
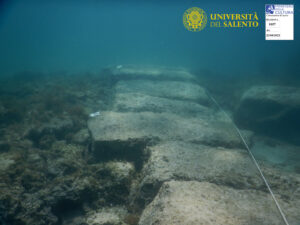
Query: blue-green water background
point(81, 36)
point(56, 36)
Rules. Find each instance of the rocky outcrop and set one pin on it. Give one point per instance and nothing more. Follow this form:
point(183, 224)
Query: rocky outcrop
point(178, 141)
point(44, 134)
point(139, 102)
point(133, 72)
point(157, 146)
point(185, 161)
point(46, 174)
point(197, 203)
point(123, 127)
point(113, 215)
point(146, 111)
point(272, 111)
point(165, 89)
point(82, 137)
point(58, 186)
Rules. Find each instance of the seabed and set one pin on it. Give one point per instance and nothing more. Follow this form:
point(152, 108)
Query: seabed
point(144, 145)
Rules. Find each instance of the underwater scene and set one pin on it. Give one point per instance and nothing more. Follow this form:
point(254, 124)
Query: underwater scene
point(148, 113)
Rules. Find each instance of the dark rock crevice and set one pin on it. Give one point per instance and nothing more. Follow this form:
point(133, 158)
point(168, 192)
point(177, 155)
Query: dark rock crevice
point(132, 150)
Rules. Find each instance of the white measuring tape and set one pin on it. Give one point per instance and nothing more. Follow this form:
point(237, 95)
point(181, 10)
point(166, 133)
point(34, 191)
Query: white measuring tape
point(252, 157)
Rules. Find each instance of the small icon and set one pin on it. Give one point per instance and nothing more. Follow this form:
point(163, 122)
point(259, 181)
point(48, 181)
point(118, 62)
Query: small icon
point(270, 9)
point(194, 19)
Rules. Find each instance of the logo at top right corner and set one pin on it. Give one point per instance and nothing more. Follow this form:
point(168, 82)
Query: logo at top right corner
point(270, 9)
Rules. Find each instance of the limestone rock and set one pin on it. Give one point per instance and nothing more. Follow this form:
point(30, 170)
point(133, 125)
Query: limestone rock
point(197, 203)
point(137, 102)
point(105, 216)
point(56, 128)
point(277, 94)
point(6, 160)
point(82, 136)
point(186, 161)
point(151, 73)
point(166, 89)
point(272, 111)
point(113, 131)
point(120, 170)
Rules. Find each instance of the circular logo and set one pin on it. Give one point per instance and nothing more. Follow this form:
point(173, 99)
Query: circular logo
point(194, 19)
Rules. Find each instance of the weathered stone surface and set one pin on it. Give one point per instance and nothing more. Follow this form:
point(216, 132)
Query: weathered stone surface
point(185, 161)
point(54, 187)
point(228, 167)
point(137, 102)
point(82, 136)
point(105, 216)
point(124, 136)
point(166, 89)
point(122, 171)
point(271, 110)
point(128, 127)
point(151, 73)
point(197, 203)
point(55, 128)
point(6, 160)
point(56, 177)
point(278, 94)
point(69, 162)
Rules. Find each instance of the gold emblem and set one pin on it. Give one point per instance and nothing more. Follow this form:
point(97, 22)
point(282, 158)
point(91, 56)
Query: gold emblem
point(194, 19)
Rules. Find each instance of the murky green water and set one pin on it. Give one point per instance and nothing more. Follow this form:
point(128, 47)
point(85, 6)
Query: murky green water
point(109, 115)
